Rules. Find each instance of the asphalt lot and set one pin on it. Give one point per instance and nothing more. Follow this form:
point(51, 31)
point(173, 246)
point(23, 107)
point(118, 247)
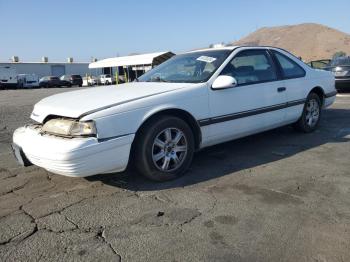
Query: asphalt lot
point(276, 196)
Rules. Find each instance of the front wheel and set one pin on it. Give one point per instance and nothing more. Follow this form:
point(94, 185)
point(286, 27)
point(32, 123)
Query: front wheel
point(164, 148)
point(311, 116)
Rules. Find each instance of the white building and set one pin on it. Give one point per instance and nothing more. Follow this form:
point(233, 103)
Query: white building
point(48, 68)
point(127, 67)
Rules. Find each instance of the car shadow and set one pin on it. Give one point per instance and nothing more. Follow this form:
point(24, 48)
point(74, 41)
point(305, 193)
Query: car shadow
point(241, 154)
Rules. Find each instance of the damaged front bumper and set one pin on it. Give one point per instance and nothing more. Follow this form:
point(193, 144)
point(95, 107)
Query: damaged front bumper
point(75, 157)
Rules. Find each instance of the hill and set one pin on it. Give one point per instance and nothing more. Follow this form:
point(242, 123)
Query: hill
point(310, 41)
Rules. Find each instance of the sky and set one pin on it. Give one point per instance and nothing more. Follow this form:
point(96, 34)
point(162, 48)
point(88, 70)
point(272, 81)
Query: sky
point(82, 29)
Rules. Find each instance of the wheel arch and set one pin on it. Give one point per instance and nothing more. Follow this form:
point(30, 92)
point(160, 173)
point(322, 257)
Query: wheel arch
point(180, 113)
point(320, 92)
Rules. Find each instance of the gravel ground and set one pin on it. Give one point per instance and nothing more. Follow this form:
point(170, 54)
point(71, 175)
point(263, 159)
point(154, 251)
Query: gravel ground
point(276, 196)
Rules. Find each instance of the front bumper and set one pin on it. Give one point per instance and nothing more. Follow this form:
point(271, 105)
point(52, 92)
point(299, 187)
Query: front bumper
point(342, 82)
point(74, 157)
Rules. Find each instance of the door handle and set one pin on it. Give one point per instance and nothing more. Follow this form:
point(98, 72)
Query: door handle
point(281, 89)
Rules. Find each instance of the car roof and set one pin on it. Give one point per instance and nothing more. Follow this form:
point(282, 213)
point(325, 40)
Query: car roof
point(213, 49)
point(234, 47)
point(241, 46)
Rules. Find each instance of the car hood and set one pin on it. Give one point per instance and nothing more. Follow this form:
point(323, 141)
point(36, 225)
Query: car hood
point(75, 104)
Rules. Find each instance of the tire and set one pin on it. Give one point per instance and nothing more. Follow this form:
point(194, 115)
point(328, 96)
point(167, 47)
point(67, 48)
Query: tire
point(311, 116)
point(152, 143)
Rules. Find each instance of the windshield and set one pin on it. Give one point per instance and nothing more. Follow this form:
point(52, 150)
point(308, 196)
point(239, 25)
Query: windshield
point(341, 61)
point(193, 67)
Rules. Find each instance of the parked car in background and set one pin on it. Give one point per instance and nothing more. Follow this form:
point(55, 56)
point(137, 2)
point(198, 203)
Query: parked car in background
point(65, 82)
point(90, 81)
point(27, 80)
point(71, 80)
point(106, 79)
point(50, 81)
point(340, 67)
point(187, 103)
point(8, 77)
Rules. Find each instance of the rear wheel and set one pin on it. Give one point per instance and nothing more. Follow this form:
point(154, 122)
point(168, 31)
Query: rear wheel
point(164, 148)
point(311, 114)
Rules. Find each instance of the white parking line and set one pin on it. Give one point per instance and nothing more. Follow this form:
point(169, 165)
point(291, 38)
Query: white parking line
point(343, 95)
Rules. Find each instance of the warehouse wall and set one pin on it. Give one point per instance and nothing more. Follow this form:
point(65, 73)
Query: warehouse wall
point(47, 69)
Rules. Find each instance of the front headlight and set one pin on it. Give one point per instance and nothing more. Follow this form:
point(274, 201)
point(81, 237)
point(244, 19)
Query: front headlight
point(67, 127)
point(83, 129)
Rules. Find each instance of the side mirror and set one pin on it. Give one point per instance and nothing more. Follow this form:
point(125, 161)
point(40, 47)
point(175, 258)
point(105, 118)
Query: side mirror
point(224, 82)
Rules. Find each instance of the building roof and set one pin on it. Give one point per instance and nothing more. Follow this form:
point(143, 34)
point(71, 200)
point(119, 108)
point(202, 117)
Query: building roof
point(144, 59)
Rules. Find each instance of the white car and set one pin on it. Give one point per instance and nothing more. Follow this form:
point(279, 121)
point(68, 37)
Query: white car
point(106, 79)
point(89, 81)
point(193, 100)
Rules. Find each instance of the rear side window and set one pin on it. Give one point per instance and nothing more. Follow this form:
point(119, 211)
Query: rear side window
point(290, 69)
point(251, 67)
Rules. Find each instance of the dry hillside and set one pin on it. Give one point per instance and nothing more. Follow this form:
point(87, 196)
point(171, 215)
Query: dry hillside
point(310, 41)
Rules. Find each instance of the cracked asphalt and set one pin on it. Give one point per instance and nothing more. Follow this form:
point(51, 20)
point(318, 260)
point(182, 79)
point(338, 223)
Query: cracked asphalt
point(277, 196)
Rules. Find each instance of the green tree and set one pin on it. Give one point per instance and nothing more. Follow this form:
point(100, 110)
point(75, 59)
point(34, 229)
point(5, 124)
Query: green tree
point(339, 54)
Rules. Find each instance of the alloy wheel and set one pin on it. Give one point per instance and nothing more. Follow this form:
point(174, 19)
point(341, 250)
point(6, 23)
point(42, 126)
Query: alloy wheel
point(312, 112)
point(169, 149)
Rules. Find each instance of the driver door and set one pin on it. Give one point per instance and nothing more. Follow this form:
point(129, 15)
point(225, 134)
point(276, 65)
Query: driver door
point(254, 105)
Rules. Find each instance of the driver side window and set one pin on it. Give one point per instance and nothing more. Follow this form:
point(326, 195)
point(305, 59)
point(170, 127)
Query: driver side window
point(251, 67)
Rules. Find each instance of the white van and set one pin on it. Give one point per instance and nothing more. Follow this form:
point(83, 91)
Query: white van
point(27, 80)
point(8, 77)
